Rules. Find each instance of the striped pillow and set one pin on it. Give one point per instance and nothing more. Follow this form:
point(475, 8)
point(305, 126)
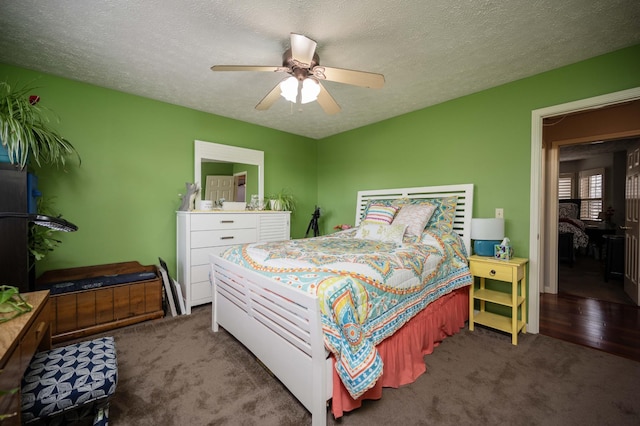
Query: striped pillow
point(379, 213)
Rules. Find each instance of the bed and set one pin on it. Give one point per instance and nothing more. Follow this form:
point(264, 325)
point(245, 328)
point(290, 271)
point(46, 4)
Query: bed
point(571, 230)
point(324, 321)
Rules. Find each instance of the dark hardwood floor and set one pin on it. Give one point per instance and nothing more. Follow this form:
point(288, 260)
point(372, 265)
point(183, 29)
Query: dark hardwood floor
point(584, 319)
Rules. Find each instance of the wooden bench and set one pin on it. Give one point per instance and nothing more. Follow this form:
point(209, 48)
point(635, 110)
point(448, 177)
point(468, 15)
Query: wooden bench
point(100, 305)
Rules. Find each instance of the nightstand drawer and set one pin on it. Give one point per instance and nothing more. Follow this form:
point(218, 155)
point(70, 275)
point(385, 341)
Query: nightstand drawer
point(492, 271)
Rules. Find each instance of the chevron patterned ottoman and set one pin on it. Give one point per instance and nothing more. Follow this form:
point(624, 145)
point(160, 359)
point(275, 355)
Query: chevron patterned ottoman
point(71, 384)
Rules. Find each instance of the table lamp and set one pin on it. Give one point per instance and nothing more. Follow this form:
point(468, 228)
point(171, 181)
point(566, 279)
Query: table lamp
point(486, 233)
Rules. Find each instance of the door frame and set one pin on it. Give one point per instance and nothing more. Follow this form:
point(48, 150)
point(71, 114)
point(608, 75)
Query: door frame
point(539, 266)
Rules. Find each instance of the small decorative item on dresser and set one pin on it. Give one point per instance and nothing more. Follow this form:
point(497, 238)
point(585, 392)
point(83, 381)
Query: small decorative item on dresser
point(206, 205)
point(189, 199)
point(282, 201)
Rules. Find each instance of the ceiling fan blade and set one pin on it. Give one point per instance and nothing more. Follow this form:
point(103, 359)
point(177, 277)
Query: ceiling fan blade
point(270, 99)
point(326, 101)
point(302, 48)
point(356, 78)
point(246, 68)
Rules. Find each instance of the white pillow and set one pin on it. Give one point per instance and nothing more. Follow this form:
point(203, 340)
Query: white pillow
point(381, 232)
point(415, 217)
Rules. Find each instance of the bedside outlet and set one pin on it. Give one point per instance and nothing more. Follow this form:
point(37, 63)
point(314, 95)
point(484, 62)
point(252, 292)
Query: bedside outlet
point(500, 213)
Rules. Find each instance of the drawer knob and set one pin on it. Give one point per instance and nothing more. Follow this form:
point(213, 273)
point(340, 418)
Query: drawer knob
point(226, 238)
point(492, 272)
point(226, 221)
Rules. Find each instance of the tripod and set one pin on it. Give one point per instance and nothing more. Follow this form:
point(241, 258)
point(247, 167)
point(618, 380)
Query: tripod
point(314, 223)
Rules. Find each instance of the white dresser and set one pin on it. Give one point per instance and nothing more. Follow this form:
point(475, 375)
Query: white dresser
point(202, 233)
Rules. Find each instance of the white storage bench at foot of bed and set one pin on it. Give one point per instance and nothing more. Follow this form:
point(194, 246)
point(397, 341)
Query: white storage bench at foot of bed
point(281, 326)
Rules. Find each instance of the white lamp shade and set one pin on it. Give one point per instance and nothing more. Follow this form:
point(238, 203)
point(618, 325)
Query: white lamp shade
point(289, 89)
point(310, 90)
point(487, 229)
point(308, 93)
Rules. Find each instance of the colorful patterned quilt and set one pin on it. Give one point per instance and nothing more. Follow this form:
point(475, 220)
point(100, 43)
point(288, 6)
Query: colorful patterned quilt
point(366, 289)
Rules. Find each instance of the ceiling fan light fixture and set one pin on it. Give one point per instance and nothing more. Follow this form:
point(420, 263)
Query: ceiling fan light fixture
point(310, 90)
point(289, 89)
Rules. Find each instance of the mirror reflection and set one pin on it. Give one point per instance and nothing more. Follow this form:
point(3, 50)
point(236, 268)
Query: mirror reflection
point(229, 172)
point(231, 181)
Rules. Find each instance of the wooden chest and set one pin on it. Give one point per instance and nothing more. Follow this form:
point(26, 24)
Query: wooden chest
point(88, 311)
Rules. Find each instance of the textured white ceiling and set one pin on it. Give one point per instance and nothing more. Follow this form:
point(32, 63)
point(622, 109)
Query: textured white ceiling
point(429, 51)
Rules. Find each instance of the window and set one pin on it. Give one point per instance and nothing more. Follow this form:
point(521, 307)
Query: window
point(592, 193)
point(565, 186)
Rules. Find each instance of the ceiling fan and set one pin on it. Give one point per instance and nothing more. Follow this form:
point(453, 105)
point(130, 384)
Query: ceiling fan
point(303, 85)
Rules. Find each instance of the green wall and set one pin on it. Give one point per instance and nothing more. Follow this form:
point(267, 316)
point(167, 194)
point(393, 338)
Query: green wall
point(137, 154)
point(483, 138)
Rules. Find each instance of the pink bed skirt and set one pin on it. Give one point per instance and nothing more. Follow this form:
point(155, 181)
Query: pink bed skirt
point(403, 352)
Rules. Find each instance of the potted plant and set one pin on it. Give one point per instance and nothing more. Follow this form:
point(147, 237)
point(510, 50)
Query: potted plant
point(27, 138)
point(25, 132)
point(42, 239)
point(282, 201)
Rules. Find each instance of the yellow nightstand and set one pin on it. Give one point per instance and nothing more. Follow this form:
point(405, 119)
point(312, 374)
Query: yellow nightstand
point(513, 271)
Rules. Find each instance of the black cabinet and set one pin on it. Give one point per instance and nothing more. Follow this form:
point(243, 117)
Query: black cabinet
point(614, 263)
point(565, 248)
point(15, 263)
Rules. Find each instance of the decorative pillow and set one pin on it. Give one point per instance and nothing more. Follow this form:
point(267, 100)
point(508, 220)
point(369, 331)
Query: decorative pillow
point(568, 210)
point(415, 217)
point(381, 232)
point(378, 213)
point(444, 214)
point(377, 202)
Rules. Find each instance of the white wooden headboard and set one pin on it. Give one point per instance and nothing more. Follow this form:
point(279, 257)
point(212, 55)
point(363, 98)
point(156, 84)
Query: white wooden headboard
point(464, 208)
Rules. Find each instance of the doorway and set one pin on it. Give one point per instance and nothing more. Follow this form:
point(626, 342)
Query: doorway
point(606, 123)
point(543, 242)
point(591, 260)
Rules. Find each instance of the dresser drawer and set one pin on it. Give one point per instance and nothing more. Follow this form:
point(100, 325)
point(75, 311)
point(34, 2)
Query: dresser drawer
point(10, 379)
point(201, 291)
point(493, 271)
point(202, 222)
point(200, 273)
point(200, 256)
point(227, 237)
point(34, 336)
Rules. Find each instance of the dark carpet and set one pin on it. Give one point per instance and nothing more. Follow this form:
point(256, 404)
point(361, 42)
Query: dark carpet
point(176, 371)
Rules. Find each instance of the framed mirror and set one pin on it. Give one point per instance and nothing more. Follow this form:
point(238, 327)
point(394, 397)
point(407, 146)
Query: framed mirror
point(234, 160)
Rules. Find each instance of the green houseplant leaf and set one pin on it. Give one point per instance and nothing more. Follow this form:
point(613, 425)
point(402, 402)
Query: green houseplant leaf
point(42, 240)
point(25, 130)
point(11, 303)
point(282, 201)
